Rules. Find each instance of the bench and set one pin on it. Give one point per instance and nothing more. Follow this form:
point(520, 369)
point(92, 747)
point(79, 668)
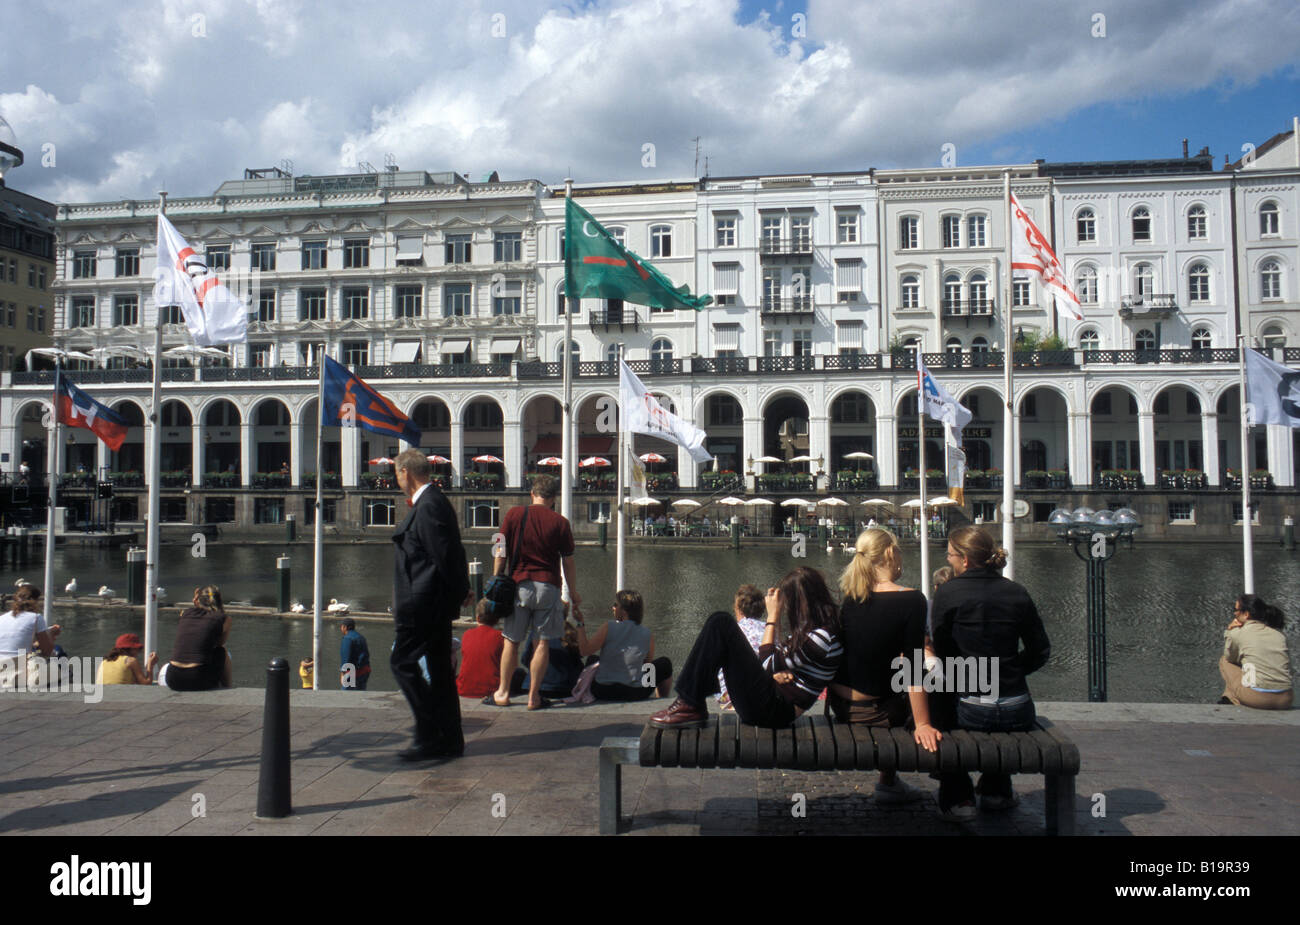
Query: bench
point(816, 743)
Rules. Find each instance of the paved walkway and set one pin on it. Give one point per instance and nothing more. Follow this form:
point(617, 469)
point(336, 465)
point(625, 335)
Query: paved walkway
point(152, 762)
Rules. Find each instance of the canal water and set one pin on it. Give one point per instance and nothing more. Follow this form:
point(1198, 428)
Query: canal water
point(1167, 604)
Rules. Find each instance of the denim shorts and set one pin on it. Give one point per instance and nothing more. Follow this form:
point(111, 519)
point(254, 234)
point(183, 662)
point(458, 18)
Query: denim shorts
point(1007, 714)
point(538, 606)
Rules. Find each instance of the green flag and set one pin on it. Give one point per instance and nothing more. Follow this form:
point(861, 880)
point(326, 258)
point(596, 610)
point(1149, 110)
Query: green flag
point(597, 266)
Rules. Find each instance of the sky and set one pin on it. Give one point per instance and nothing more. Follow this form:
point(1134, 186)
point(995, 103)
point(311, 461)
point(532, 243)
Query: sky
point(113, 99)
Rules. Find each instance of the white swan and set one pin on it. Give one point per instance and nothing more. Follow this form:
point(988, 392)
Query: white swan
point(336, 607)
point(105, 592)
point(72, 587)
point(22, 583)
point(297, 607)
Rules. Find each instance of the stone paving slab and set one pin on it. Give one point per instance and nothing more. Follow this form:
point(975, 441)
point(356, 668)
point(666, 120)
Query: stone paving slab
point(135, 762)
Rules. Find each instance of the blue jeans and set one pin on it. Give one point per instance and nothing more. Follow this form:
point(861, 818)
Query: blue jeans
point(1017, 716)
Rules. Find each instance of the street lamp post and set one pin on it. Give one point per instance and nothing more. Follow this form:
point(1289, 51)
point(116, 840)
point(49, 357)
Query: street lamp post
point(1094, 536)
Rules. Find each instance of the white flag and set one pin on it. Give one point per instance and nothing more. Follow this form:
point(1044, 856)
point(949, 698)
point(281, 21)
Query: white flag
point(934, 401)
point(1031, 255)
point(1272, 392)
point(213, 313)
point(636, 470)
point(642, 414)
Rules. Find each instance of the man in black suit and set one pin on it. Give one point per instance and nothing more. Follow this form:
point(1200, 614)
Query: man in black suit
point(430, 581)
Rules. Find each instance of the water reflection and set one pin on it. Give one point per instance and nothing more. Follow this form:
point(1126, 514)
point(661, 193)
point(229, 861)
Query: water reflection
point(1168, 604)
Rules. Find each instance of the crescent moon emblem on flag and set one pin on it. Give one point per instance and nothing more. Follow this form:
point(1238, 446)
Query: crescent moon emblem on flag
point(590, 234)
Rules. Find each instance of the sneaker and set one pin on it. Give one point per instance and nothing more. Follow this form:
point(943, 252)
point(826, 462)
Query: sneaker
point(897, 792)
point(997, 804)
point(681, 715)
point(961, 812)
point(1224, 701)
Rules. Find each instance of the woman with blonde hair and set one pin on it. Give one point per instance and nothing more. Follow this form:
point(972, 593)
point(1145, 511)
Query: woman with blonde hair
point(979, 614)
point(882, 620)
point(199, 659)
point(23, 630)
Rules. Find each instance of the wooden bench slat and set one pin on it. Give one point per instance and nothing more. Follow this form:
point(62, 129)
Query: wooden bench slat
point(765, 756)
point(728, 744)
point(688, 746)
point(948, 760)
point(785, 754)
point(967, 751)
point(908, 759)
point(1008, 752)
point(650, 746)
point(1049, 750)
point(668, 743)
point(860, 750)
point(1069, 751)
point(805, 744)
point(824, 737)
point(747, 751)
point(1031, 756)
point(706, 754)
point(846, 748)
point(990, 760)
point(885, 746)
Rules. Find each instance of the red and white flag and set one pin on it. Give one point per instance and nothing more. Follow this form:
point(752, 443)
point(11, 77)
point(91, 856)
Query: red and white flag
point(1032, 255)
point(213, 313)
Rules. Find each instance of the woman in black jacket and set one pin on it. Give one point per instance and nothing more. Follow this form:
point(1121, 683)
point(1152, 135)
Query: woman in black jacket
point(981, 615)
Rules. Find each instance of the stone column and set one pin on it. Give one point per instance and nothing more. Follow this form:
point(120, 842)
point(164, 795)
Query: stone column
point(512, 451)
point(819, 442)
point(752, 431)
point(295, 454)
point(887, 450)
point(103, 457)
point(1147, 446)
point(1281, 450)
point(1079, 438)
point(457, 452)
point(197, 460)
point(1210, 449)
point(246, 454)
point(350, 456)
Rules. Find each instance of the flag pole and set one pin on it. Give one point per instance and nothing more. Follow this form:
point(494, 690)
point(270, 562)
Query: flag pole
point(566, 439)
point(1247, 532)
point(318, 528)
point(154, 477)
point(53, 496)
point(621, 529)
point(920, 444)
point(1008, 416)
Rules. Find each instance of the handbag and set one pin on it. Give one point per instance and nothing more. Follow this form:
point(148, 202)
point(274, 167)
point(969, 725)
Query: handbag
point(501, 589)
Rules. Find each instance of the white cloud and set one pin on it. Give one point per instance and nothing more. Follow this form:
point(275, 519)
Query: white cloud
point(135, 97)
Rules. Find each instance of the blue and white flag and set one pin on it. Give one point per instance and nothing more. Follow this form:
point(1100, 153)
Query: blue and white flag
point(1272, 392)
point(934, 401)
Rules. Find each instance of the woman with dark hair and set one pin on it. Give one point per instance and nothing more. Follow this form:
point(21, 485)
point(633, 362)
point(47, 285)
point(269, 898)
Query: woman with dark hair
point(979, 614)
point(882, 621)
point(122, 663)
point(199, 660)
point(770, 689)
point(1255, 664)
point(625, 648)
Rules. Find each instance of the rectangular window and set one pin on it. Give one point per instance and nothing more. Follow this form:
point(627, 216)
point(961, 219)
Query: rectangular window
point(726, 339)
point(801, 233)
point(40, 278)
point(356, 353)
point(1182, 512)
point(261, 258)
point(410, 249)
point(1020, 292)
point(266, 306)
point(597, 511)
point(724, 231)
point(85, 265)
point(507, 298)
point(409, 301)
point(773, 343)
point(356, 304)
point(268, 510)
point(40, 318)
point(126, 310)
point(481, 512)
point(723, 299)
point(802, 342)
point(848, 336)
point(13, 269)
point(771, 290)
point(82, 312)
point(126, 264)
point(726, 278)
point(909, 233)
point(259, 355)
point(356, 253)
point(313, 255)
point(217, 256)
point(848, 275)
point(952, 231)
point(661, 241)
point(31, 317)
point(171, 314)
point(771, 232)
point(507, 247)
point(456, 299)
point(458, 248)
point(312, 305)
point(379, 512)
point(846, 226)
point(975, 231)
point(328, 512)
point(801, 288)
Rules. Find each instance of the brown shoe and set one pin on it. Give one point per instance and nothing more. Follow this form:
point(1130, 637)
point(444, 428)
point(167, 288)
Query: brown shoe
point(681, 715)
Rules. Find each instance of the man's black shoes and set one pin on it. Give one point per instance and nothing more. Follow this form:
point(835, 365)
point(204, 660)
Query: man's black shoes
point(421, 752)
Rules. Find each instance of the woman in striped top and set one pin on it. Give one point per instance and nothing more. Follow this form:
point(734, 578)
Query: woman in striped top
point(774, 687)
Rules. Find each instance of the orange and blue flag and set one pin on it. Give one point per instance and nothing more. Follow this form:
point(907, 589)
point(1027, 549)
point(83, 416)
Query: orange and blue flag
point(350, 402)
point(77, 409)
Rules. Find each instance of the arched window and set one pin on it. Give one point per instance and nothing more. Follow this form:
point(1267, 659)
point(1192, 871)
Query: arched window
point(911, 291)
point(661, 353)
point(611, 353)
point(951, 231)
point(979, 293)
point(979, 345)
point(953, 346)
point(618, 234)
point(1201, 339)
point(909, 236)
point(1089, 340)
point(575, 352)
point(952, 295)
point(1085, 285)
point(1086, 226)
point(1268, 219)
point(1196, 223)
point(561, 302)
point(661, 241)
point(1270, 280)
point(1273, 336)
point(1143, 281)
point(1198, 283)
point(1144, 340)
point(1141, 224)
point(910, 342)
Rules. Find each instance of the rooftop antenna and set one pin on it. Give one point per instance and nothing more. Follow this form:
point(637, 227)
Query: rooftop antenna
point(390, 162)
point(696, 139)
point(286, 165)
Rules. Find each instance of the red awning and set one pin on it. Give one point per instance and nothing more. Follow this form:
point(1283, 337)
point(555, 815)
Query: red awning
point(588, 445)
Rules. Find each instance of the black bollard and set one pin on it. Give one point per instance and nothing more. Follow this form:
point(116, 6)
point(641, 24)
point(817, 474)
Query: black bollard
point(1288, 533)
point(476, 580)
point(135, 563)
point(735, 532)
point(282, 573)
point(602, 532)
point(291, 527)
point(273, 780)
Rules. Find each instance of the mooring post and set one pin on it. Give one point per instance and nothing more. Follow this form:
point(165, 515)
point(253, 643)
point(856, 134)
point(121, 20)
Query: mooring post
point(273, 781)
point(282, 573)
point(135, 586)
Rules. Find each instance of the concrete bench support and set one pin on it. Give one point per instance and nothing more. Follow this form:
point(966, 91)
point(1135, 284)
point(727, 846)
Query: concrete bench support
point(614, 753)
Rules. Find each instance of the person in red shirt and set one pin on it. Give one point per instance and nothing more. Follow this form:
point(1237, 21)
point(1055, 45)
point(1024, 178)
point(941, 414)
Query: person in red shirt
point(545, 548)
point(480, 654)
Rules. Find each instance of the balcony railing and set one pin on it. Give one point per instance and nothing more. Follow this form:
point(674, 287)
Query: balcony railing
point(1114, 357)
point(622, 319)
point(798, 245)
point(785, 364)
point(852, 361)
point(719, 366)
point(962, 308)
point(1161, 304)
point(801, 306)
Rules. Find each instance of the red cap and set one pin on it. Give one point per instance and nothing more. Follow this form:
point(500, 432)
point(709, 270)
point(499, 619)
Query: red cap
point(128, 641)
